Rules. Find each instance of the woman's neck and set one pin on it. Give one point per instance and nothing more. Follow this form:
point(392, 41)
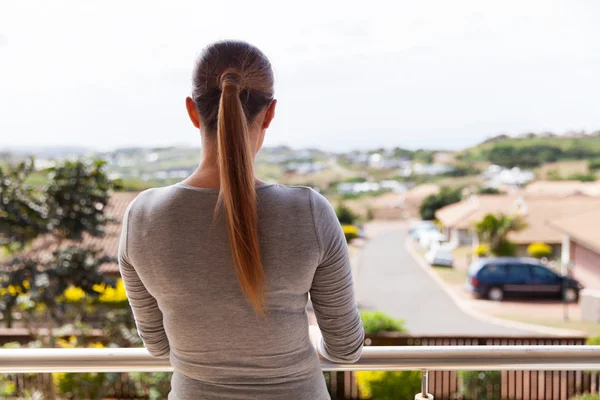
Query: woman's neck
point(207, 174)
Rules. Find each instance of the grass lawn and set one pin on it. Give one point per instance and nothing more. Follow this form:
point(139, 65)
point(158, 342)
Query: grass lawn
point(451, 276)
point(591, 328)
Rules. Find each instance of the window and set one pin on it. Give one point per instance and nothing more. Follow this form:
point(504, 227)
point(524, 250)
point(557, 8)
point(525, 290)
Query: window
point(520, 272)
point(541, 273)
point(493, 271)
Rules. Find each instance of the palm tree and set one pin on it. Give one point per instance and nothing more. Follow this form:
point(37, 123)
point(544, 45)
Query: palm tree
point(494, 229)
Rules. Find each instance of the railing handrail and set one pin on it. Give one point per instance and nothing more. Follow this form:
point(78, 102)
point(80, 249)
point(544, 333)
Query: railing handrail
point(497, 358)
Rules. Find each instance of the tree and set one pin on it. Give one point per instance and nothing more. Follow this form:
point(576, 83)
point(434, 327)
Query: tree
point(22, 210)
point(494, 230)
point(345, 215)
point(445, 197)
point(70, 206)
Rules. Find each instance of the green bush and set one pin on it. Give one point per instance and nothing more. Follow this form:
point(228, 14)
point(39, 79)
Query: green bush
point(377, 321)
point(594, 341)
point(539, 250)
point(431, 204)
point(387, 385)
point(505, 249)
point(345, 215)
point(594, 165)
point(586, 397)
point(481, 385)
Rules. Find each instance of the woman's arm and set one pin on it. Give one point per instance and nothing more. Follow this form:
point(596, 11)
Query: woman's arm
point(332, 291)
point(147, 314)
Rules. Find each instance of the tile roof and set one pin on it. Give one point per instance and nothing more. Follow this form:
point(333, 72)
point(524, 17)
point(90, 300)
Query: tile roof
point(582, 227)
point(536, 211)
point(44, 246)
point(562, 188)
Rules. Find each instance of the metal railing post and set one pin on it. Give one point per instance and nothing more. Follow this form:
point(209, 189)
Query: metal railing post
point(424, 395)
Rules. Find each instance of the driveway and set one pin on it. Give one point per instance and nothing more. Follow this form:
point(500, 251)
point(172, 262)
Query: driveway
point(388, 279)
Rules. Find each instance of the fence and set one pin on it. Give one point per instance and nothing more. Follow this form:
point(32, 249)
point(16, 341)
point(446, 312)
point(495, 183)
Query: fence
point(527, 370)
point(449, 385)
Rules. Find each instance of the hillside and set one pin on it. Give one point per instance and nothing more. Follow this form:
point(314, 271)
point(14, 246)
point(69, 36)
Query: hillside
point(534, 150)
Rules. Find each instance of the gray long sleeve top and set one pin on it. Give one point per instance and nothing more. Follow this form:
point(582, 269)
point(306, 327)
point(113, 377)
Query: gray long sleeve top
point(180, 279)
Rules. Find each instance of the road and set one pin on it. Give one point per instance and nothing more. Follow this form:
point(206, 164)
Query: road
point(389, 279)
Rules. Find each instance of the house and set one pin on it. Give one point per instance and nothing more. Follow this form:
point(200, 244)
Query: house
point(563, 188)
point(43, 246)
point(459, 219)
point(499, 177)
point(581, 244)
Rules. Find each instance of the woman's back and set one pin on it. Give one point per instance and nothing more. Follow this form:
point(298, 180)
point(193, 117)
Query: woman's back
point(177, 264)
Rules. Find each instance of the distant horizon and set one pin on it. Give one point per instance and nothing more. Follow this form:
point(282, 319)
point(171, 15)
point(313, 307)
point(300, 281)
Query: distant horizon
point(20, 149)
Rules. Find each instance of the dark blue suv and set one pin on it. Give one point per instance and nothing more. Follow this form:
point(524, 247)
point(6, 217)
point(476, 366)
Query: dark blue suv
point(497, 278)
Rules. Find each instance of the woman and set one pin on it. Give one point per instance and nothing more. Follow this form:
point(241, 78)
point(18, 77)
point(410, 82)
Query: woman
point(218, 268)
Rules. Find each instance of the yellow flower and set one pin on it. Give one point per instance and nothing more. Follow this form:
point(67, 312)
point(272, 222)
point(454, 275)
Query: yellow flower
point(12, 290)
point(26, 285)
point(57, 377)
point(74, 293)
point(96, 345)
point(114, 295)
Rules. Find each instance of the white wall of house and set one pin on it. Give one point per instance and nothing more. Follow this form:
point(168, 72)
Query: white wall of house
point(461, 237)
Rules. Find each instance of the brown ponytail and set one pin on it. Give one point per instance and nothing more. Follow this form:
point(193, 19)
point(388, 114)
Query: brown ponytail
point(233, 82)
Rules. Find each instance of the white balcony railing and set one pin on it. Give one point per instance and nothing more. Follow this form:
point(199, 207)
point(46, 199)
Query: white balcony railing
point(424, 358)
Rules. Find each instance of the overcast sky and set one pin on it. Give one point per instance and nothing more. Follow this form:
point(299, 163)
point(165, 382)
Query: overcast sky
point(349, 74)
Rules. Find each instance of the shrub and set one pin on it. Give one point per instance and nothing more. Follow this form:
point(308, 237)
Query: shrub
point(345, 215)
point(445, 197)
point(586, 397)
point(539, 250)
point(350, 231)
point(594, 341)
point(505, 249)
point(483, 250)
point(482, 385)
point(387, 385)
point(594, 164)
point(377, 321)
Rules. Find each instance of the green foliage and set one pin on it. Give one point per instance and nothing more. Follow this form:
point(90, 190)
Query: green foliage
point(481, 385)
point(462, 170)
point(494, 230)
point(505, 249)
point(345, 215)
point(445, 197)
point(586, 397)
point(594, 341)
point(90, 385)
point(539, 250)
point(589, 177)
point(423, 156)
point(594, 165)
point(71, 205)
point(489, 190)
point(377, 321)
point(158, 383)
point(76, 198)
point(533, 151)
point(22, 208)
point(387, 385)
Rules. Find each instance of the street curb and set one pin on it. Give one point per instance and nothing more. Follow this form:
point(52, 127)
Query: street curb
point(538, 329)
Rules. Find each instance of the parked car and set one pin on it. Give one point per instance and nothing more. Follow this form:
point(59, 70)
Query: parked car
point(497, 278)
point(420, 227)
point(432, 238)
point(440, 255)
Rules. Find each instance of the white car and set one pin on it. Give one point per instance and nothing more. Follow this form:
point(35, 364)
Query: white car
point(432, 238)
point(440, 255)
